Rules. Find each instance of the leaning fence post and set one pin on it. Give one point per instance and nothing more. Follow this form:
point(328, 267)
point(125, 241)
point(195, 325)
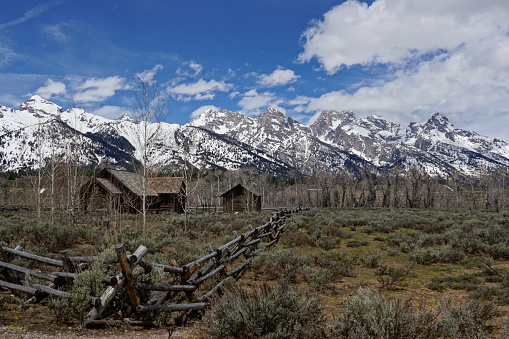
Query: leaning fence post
point(10, 275)
point(127, 273)
point(68, 265)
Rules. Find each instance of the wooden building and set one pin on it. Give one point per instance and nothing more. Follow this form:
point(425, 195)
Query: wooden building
point(123, 191)
point(240, 199)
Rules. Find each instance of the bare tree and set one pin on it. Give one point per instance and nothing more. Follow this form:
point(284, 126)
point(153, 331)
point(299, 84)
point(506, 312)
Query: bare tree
point(150, 110)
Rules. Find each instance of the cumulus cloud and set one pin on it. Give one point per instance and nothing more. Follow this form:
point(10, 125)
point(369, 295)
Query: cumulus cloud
point(392, 31)
point(199, 90)
point(96, 90)
point(279, 77)
point(148, 75)
point(450, 57)
point(50, 89)
point(253, 102)
point(196, 113)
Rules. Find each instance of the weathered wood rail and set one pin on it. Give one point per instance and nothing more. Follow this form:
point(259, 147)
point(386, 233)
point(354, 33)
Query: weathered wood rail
point(184, 292)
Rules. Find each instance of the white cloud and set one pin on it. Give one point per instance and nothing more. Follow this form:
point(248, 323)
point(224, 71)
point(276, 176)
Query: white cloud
point(194, 66)
point(391, 31)
point(455, 86)
point(196, 113)
point(233, 95)
point(279, 77)
point(31, 13)
point(9, 100)
point(199, 90)
point(96, 90)
point(450, 57)
point(111, 112)
point(253, 102)
point(6, 52)
point(148, 75)
point(50, 89)
point(55, 32)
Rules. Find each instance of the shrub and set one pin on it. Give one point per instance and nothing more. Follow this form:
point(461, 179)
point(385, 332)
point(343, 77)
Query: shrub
point(321, 239)
point(425, 256)
point(370, 315)
point(270, 313)
point(339, 264)
point(217, 227)
point(281, 264)
point(371, 259)
point(462, 282)
point(392, 277)
point(467, 319)
point(356, 243)
point(89, 283)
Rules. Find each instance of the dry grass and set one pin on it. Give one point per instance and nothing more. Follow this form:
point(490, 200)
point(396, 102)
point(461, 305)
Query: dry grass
point(331, 253)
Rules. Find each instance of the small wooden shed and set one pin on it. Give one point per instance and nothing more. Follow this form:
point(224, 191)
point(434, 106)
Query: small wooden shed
point(240, 199)
point(122, 190)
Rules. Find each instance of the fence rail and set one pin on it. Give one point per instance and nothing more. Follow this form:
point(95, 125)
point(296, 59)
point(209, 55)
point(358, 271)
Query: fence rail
point(186, 293)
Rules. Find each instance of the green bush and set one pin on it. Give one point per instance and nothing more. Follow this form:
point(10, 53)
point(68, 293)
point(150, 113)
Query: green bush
point(89, 283)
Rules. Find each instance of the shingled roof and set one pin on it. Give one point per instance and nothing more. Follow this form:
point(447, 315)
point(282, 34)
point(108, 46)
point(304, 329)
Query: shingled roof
point(133, 181)
point(108, 185)
point(166, 184)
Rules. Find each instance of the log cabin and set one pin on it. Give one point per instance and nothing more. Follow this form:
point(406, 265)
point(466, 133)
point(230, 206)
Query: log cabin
point(123, 191)
point(240, 199)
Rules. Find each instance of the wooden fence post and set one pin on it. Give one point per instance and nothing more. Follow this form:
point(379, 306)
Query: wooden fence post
point(125, 267)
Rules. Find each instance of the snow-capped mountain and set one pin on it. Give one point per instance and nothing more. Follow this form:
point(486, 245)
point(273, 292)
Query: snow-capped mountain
point(434, 146)
point(40, 131)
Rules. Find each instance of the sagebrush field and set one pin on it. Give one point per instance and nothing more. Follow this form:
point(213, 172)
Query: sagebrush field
point(338, 273)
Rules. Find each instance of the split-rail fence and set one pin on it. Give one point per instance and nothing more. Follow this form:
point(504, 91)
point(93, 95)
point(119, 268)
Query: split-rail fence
point(186, 293)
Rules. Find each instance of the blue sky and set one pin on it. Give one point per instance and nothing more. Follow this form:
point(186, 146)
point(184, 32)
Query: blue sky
point(401, 59)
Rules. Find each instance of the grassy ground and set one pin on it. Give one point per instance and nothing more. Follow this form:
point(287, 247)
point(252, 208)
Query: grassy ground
point(430, 257)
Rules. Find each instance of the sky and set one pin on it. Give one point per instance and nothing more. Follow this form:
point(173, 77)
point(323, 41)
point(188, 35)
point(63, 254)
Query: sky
point(400, 59)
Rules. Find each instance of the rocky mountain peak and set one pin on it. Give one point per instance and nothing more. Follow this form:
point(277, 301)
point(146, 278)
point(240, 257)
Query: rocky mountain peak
point(40, 107)
point(272, 116)
point(331, 120)
point(377, 123)
point(219, 121)
point(4, 110)
point(124, 117)
point(440, 122)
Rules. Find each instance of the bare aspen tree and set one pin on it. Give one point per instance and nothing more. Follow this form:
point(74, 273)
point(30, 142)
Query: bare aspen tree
point(40, 167)
point(188, 171)
point(150, 110)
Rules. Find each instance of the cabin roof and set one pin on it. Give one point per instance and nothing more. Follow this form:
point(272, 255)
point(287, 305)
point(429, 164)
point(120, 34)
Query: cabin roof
point(108, 185)
point(133, 181)
point(166, 184)
point(239, 186)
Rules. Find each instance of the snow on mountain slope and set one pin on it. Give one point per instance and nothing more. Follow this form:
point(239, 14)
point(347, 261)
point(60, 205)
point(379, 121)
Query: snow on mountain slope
point(40, 130)
point(271, 142)
point(435, 145)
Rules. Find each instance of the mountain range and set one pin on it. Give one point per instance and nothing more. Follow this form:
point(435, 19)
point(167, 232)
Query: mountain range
point(40, 131)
